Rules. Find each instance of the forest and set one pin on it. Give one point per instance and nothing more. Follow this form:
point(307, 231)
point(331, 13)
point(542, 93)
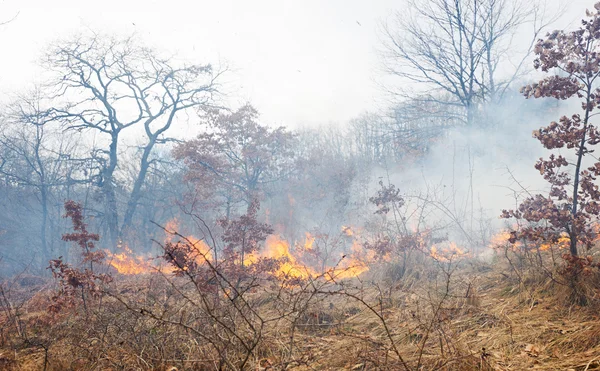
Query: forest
point(147, 222)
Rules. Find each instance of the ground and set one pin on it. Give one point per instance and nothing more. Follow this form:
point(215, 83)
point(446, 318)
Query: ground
point(488, 321)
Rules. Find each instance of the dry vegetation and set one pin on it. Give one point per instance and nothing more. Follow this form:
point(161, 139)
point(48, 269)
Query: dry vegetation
point(416, 285)
point(449, 315)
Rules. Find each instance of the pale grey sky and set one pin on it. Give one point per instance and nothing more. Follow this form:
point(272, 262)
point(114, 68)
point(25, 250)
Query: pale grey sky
point(298, 62)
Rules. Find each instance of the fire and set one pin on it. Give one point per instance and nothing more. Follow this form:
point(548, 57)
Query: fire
point(563, 243)
point(203, 250)
point(347, 231)
point(349, 269)
point(309, 241)
point(502, 238)
point(278, 248)
point(447, 252)
point(354, 264)
point(127, 264)
point(171, 227)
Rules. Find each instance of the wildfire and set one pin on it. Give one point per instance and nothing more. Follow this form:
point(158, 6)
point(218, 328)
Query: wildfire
point(203, 250)
point(447, 252)
point(563, 243)
point(347, 231)
point(276, 247)
point(127, 264)
point(309, 241)
point(502, 238)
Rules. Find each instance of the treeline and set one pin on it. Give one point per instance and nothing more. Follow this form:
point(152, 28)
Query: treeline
point(139, 139)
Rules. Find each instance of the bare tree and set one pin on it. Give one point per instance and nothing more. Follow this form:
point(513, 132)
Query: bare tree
point(110, 85)
point(455, 48)
point(38, 156)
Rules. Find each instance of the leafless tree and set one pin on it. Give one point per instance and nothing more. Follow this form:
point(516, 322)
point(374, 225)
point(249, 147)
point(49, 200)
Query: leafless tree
point(112, 85)
point(460, 49)
point(37, 156)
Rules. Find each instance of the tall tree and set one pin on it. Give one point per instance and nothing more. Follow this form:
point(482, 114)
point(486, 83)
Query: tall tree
point(111, 85)
point(572, 207)
point(454, 49)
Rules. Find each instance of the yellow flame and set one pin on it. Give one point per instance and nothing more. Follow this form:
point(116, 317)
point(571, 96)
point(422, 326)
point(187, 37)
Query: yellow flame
point(501, 239)
point(309, 241)
point(203, 250)
point(127, 264)
point(347, 231)
point(447, 252)
point(278, 248)
point(563, 243)
point(352, 265)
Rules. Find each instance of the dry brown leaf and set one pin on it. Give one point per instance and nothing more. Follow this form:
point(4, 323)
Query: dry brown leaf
point(532, 350)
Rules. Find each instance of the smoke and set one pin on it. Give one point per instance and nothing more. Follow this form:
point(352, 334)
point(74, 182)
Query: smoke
point(469, 175)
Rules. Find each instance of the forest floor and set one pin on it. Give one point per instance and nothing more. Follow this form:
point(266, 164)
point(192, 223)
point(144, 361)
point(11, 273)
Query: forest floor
point(495, 325)
point(503, 329)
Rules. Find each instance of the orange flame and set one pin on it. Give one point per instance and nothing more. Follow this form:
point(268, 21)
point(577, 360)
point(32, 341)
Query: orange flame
point(277, 248)
point(447, 252)
point(501, 239)
point(563, 243)
point(202, 248)
point(127, 264)
point(347, 231)
point(309, 241)
point(351, 265)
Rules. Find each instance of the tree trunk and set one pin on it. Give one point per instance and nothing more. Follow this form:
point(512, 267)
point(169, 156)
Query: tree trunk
point(111, 211)
point(44, 199)
point(136, 193)
point(573, 231)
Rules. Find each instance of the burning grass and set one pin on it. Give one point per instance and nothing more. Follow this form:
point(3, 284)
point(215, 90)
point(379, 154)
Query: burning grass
point(150, 321)
point(433, 308)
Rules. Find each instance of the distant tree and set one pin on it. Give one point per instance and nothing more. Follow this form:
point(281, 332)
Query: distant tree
point(237, 157)
point(455, 48)
point(110, 85)
point(36, 155)
point(571, 209)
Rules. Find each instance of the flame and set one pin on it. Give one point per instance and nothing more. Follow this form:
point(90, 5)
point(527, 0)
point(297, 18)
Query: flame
point(202, 248)
point(309, 241)
point(171, 227)
point(127, 264)
point(501, 239)
point(563, 243)
point(347, 231)
point(447, 252)
point(278, 248)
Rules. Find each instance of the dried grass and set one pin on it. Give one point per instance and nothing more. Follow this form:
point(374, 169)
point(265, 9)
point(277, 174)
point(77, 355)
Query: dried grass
point(487, 322)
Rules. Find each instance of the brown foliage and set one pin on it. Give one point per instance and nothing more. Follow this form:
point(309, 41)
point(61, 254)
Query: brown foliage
point(76, 283)
point(237, 156)
point(572, 206)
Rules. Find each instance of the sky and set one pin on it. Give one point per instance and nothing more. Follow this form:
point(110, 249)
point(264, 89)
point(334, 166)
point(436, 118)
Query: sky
point(301, 63)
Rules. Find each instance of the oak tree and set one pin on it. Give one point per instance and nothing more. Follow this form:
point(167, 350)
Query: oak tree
point(569, 212)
